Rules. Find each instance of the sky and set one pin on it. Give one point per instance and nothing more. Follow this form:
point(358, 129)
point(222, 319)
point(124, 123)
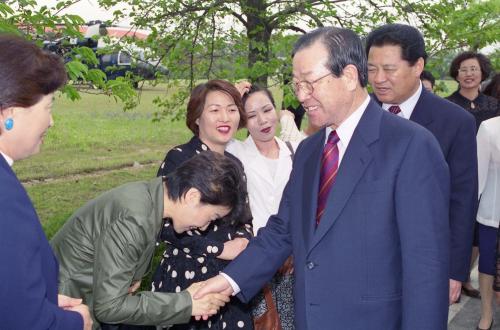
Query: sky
point(89, 10)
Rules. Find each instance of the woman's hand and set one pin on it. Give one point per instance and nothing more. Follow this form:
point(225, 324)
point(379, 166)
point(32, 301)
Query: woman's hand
point(287, 268)
point(233, 248)
point(207, 305)
point(243, 87)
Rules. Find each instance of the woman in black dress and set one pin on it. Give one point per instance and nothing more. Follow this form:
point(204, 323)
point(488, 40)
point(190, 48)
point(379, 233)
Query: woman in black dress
point(214, 114)
point(469, 69)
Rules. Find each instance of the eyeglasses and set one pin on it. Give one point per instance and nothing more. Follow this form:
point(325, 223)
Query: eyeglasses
point(307, 87)
point(472, 69)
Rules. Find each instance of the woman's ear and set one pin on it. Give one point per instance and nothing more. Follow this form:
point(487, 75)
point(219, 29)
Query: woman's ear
point(197, 121)
point(192, 197)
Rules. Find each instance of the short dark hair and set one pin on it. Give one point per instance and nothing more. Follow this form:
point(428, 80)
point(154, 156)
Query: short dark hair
point(255, 89)
point(484, 63)
point(427, 75)
point(198, 97)
point(344, 47)
point(219, 179)
point(27, 73)
point(493, 87)
point(407, 37)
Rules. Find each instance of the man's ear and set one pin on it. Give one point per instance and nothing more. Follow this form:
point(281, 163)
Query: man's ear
point(350, 76)
point(418, 67)
point(192, 197)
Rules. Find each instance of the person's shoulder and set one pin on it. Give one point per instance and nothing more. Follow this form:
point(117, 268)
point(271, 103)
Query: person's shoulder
point(445, 109)
point(491, 125)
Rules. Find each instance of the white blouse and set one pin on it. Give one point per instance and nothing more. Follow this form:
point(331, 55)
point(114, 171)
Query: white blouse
point(488, 154)
point(265, 186)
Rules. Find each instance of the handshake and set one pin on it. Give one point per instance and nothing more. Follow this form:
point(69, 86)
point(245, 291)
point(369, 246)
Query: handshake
point(209, 296)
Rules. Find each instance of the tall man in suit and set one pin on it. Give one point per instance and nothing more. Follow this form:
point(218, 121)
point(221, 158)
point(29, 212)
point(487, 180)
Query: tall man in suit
point(396, 58)
point(375, 254)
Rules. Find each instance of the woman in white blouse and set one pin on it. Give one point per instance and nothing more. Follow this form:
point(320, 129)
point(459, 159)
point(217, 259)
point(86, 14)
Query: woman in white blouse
point(267, 161)
point(488, 215)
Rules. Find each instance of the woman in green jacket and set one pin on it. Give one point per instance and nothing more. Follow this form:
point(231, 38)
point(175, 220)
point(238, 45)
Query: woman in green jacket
point(106, 247)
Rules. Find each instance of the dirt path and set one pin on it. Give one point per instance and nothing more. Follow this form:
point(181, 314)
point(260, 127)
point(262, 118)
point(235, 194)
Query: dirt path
point(90, 173)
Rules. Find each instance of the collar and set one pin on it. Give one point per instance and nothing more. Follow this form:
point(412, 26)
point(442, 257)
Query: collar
point(408, 105)
point(9, 160)
point(346, 129)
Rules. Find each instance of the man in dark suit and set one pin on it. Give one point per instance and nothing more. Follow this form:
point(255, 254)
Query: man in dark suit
point(375, 254)
point(396, 58)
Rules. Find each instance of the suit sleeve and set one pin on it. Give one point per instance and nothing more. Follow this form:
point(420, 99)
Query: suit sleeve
point(23, 288)
point(266, 252)
point(462, 161)
point(422, 213)
point(117, 254)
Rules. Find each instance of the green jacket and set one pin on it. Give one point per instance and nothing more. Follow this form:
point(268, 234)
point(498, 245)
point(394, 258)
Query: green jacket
point(108, 244)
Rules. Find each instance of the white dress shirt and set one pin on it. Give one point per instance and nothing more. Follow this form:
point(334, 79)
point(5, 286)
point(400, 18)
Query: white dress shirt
point(488, 157)
point(345, 132)
point(265, 184)
point(9, 160)
point(408, 105)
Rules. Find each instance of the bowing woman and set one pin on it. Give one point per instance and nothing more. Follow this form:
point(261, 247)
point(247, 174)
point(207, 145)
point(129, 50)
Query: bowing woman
point(214, 114)
point(28, 273)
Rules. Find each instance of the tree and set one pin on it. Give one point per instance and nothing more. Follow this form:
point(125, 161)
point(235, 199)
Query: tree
point(252, 39)
point(43, 24)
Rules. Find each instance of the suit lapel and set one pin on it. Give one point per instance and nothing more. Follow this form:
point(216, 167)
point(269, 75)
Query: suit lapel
point(356, 159)
point(421, 115)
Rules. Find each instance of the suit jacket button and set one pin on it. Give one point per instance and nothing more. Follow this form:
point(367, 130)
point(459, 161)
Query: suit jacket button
point(310, 265)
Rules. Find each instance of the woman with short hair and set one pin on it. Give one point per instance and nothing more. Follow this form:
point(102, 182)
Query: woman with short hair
point(214, 114)
point(29, 77)
point(470, 69)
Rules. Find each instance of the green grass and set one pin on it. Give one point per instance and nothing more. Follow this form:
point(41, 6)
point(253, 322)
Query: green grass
point(95, 133)
point(56, 200)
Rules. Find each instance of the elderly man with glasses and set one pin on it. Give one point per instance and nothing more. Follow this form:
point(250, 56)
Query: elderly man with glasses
point(365, 212)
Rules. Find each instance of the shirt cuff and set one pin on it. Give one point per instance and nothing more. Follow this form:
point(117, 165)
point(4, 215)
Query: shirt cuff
point(234, 285)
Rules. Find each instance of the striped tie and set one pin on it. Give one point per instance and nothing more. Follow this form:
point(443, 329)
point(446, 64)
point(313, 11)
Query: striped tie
point(395, 109)
point(329, 167)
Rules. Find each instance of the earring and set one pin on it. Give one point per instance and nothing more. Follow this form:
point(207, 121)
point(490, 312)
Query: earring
point(9, 123)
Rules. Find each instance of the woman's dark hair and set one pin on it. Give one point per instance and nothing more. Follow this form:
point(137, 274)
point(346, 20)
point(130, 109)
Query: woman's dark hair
point(219, 179)
point(255, 89)
point(426, 75)
point(484, 63)
point(199, 95)
point(493, 87)
point(27, 73)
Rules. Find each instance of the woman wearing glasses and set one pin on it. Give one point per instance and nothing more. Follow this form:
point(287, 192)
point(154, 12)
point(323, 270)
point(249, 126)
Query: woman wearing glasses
point(469, 69)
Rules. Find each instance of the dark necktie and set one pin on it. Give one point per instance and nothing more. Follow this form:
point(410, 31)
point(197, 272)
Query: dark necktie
point(329, 167)
point(394, 109)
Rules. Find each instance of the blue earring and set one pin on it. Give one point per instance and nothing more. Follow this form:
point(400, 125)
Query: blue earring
point(9, 123)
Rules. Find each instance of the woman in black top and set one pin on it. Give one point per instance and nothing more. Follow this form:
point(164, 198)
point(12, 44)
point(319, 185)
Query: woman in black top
point(214, 114)
point(469, 69)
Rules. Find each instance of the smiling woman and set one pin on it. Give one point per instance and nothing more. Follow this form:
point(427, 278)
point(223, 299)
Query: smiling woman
point(214, 114)
point(28, 79)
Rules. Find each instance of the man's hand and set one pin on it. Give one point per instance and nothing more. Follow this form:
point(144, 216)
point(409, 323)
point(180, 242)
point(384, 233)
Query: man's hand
point(134, 286)
point(216, 284)
point(207, 305)
point(66, 302)
point(243, 87)
point(233, 248)
point(455, 288)
point(83, 310)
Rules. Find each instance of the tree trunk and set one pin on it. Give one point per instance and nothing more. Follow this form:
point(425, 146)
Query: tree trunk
point(259, 36)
